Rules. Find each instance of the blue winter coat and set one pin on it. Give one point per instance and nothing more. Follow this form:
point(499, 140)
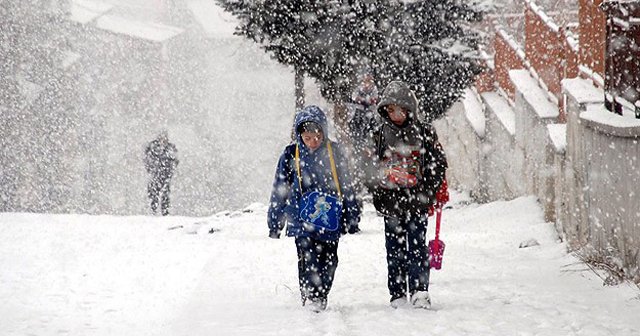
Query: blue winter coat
point(316, 174)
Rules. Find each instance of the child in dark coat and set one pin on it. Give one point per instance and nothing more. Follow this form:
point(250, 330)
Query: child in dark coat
point(411, 167)
point(313, 197)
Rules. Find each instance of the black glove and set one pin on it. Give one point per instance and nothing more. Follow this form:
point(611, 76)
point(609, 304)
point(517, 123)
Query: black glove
point(353, 229)
point(274, 234)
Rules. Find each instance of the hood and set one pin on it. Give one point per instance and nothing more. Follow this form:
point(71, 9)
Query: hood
point(400, 94)
point(310, 113)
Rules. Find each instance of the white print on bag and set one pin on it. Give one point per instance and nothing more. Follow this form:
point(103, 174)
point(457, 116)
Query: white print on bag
point(322, 208)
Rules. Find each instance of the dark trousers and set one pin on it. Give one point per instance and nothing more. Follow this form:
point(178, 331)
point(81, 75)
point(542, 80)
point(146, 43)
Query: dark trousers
point(407, 255)
point(158, 192)
point(317, 263)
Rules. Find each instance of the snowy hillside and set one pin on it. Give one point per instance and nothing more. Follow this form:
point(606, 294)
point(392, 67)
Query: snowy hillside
point(105, 275)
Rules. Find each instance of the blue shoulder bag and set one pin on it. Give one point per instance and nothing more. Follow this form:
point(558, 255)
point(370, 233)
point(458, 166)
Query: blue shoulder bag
point(319, 210)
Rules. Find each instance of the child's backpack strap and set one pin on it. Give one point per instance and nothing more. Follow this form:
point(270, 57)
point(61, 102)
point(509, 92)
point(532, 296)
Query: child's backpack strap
point(334, 172)
point(333, 168)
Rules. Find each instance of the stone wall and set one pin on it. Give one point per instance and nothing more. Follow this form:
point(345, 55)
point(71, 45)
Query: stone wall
point(585, 172)
point(463, 146)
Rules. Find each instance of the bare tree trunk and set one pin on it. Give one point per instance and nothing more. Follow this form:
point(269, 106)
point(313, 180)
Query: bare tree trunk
point(340, 120)
point(299, 89)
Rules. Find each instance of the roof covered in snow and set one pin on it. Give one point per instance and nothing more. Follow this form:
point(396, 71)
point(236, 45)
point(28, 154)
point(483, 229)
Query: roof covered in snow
point(85, 11)
point(215, 22)
point(150, 31)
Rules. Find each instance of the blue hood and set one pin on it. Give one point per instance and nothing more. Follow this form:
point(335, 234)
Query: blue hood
point(315, 175)
point(310, 113)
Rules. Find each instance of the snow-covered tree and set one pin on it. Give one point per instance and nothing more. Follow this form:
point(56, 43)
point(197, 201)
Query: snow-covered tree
point(427, 43)
point(295, 32)
point(431, 45)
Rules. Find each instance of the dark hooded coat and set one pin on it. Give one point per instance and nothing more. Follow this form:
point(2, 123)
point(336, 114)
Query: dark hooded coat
point(413, 146)
point(160, 159)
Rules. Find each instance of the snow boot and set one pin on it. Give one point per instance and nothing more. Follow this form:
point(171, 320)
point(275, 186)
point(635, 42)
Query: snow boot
point(315, 305)
point(421, 299)
point(399, 302)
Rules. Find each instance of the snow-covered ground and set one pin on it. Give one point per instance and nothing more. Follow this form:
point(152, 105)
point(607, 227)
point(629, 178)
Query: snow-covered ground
point(106, 275)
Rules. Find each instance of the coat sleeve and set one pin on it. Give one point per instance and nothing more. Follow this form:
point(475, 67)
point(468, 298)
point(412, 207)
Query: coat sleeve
point(280, 194)
point(351, 208)
point(371, 161)
point(435, 162)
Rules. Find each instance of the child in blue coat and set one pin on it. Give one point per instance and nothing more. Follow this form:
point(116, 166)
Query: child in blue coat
point(313, 197)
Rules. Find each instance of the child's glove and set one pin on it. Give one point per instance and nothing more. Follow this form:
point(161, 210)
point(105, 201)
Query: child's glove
point(442, 197)
point(431, 211)
point(353, 229)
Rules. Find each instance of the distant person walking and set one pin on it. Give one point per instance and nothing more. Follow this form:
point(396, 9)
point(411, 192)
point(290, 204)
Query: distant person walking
point(160, 160)
point(362, 122)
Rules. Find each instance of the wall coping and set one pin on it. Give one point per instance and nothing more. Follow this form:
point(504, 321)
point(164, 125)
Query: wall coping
point(533, 94)
point(607, 122)
point(501, 108)
point(474, 112)
point(582, 91)
point(543, 16)
point(558, 136)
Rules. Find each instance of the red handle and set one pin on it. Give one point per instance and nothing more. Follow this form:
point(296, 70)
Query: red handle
point(438, 219)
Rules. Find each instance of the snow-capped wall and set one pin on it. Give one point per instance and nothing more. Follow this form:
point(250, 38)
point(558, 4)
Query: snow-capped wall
point(463, 147)
point(502, 154)
point(585, 173)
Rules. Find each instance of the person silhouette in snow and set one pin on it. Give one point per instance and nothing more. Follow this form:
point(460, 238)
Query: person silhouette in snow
point(360, 125)
point(306, 166)
point(363, 121)
point(411, 168)
point(160, 161)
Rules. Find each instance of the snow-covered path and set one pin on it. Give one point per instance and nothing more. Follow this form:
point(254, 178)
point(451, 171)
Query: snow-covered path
point(103, 275)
